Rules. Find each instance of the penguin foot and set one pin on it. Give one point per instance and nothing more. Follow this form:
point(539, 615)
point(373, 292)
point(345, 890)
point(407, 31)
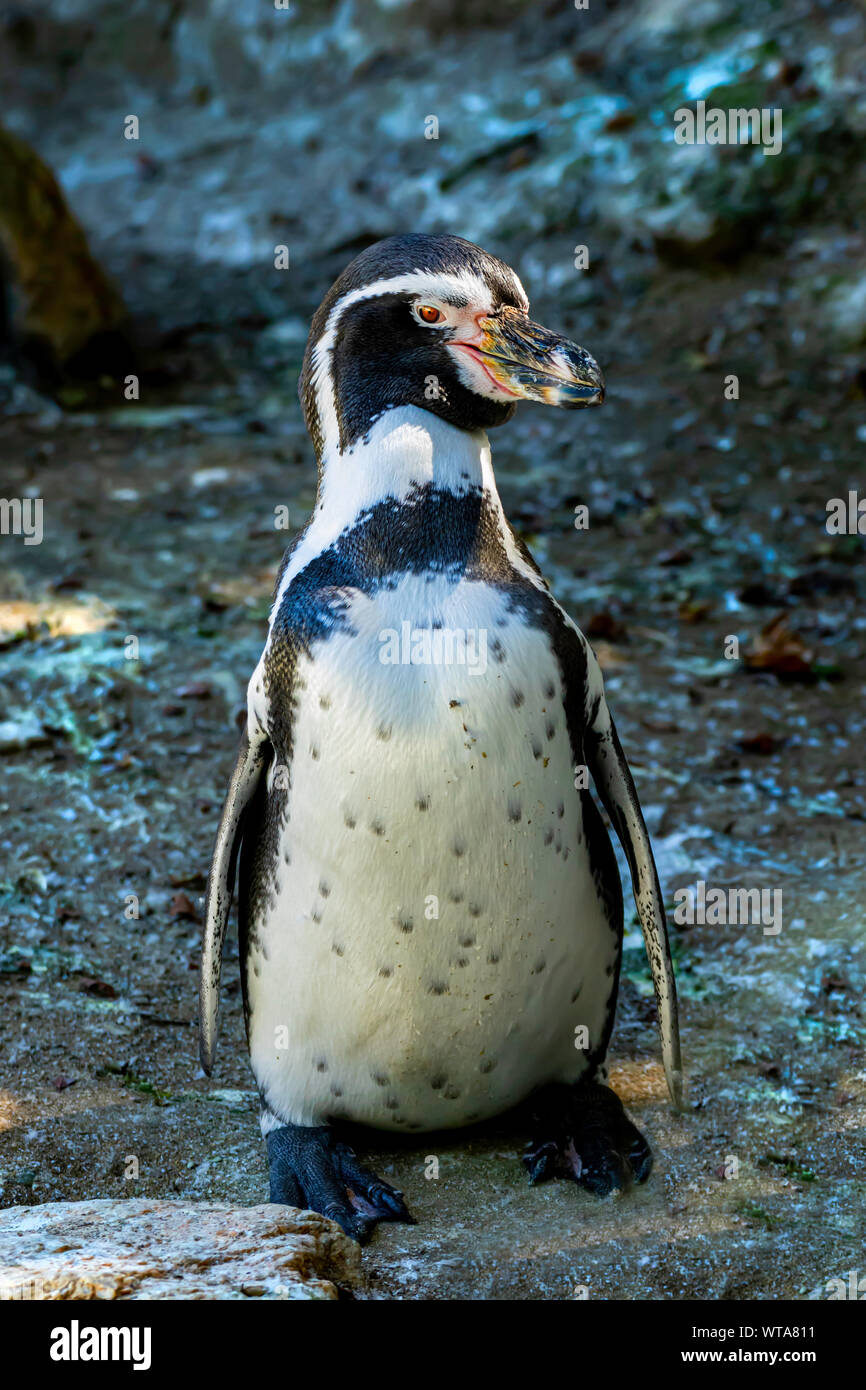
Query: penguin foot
point(311, 1169)
point(583, 1133)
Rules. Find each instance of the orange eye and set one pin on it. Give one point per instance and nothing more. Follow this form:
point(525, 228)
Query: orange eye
point(428, 313)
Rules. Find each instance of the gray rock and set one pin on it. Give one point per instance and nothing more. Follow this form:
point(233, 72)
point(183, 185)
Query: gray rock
point(161, 1249)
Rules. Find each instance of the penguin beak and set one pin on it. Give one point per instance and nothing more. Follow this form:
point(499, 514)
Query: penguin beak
point(533, 363)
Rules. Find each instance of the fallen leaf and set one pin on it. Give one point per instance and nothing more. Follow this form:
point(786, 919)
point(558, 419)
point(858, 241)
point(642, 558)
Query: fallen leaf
point(195, 690)
point(604, 624)
point(194, 880)
point(764, 744)
point(101, 988)
point(776, 648)
point(621, 120)
point(182, 906)
point(694, 610)
point(671, 558)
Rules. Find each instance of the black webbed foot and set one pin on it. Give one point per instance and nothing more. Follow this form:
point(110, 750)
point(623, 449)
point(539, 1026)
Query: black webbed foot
point(583, 1133)
point(310, 1168)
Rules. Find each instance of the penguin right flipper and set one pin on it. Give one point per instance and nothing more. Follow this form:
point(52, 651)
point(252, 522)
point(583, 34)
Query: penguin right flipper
point(252, 761)
point(311, 1169)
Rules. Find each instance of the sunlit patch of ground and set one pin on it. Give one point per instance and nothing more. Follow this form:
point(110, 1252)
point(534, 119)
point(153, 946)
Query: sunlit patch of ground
point(22, 619)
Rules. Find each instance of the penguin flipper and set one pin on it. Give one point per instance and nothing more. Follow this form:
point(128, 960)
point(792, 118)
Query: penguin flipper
point(612, 776)
point(252, 759)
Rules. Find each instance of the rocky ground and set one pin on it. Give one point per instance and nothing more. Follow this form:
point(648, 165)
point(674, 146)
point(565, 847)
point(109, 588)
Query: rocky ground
point(129, 633)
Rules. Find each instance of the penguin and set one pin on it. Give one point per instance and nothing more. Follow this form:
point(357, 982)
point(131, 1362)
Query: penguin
point(430, 909)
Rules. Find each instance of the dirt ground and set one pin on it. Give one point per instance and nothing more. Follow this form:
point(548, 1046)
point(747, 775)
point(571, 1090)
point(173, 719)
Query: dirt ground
point(127, 639)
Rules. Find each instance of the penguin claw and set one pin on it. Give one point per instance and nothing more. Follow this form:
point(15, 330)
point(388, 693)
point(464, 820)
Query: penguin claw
point(382, 1201)
point(308, 1169)
point(593, 1142)
point(540, 1162)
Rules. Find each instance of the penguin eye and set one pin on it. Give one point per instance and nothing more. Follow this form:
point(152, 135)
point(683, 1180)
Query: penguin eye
point(428, 313)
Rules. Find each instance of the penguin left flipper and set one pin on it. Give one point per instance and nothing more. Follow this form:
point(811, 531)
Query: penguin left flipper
point(311, 1169)
point(582, 1133)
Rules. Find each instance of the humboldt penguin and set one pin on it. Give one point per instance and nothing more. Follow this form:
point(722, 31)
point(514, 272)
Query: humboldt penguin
point(430, 909)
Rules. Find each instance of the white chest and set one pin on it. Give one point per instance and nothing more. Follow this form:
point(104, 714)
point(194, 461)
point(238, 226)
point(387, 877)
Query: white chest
point(436, 936)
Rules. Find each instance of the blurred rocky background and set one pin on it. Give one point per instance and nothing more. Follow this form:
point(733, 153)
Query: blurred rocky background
point(127, 635)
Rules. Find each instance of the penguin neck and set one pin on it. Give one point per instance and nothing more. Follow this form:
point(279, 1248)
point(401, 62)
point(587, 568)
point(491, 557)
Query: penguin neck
point(407, 455)
point(405, 450)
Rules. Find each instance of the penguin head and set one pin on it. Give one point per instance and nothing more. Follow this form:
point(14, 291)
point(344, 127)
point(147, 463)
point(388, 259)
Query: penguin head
point(437, 323)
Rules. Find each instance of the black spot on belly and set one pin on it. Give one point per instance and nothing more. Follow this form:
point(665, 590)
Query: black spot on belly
point(381, 1078)
point(324, 888)
point(467, 941)
point(349, 821)
point(550, 729)
point(540, 964)
point(321, 1064)
point(462, 961)
point(493, 958)
point(324, 702)
point(517, 698)
point(338, 950)
point(560, 810)
point(474, 910)
point(336, 1090)
point(549, 690)
point(455, 896)
point(314, 753)
point(438, 1082)
point(548, 836)
point(383, 733)
point(377, 827)
point(497, 650)
point(459, 848)
point(438, 987)
point(404, 922)
point(423, 803)
point(536, 749)
point(316, 914)
point(385, 972)
point(287, 858)
point(514, 811)
point(451, 1093)
point(392, 1103)
point(487, 1065)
